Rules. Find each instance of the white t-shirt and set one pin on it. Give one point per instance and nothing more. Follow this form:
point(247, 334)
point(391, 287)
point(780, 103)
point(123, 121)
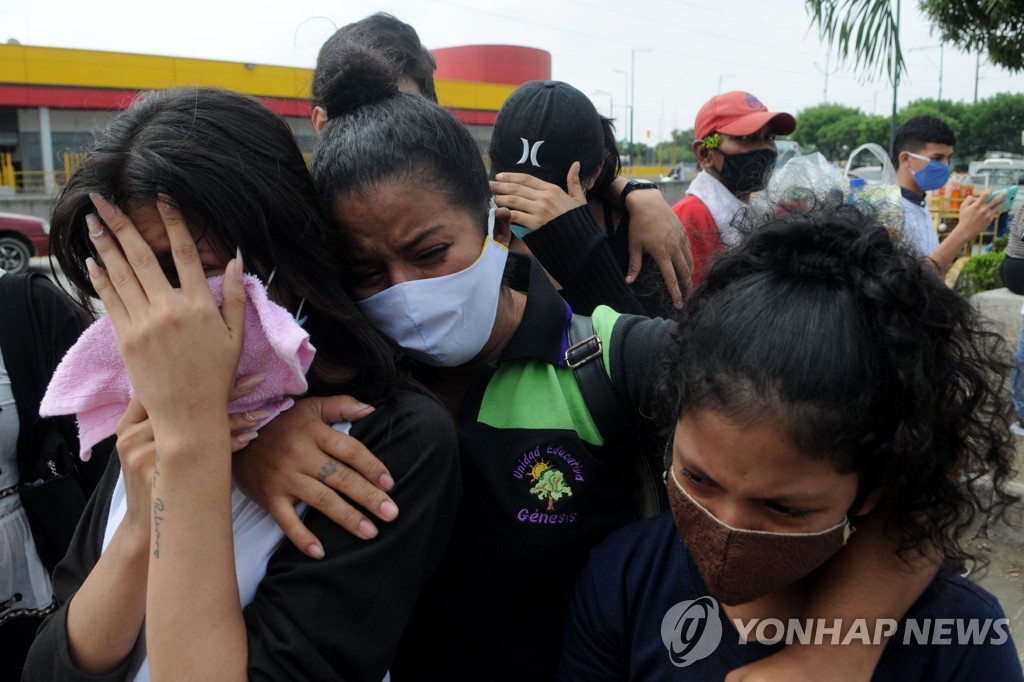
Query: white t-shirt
point(918, 229)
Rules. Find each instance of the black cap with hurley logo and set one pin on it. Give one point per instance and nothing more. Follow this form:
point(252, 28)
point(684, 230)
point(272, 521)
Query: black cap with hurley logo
point(543, 127)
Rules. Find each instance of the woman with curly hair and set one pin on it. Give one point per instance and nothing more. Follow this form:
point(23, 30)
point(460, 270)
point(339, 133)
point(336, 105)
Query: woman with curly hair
point(820, 378)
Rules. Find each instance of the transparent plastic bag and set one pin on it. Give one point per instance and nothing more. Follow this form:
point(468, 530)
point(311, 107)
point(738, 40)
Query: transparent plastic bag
point(882, 194)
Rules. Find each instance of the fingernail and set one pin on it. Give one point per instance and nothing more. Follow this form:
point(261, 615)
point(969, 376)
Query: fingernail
point(387, 482)
point(238, 255)
point(367, 530)
point(388, 510)
point(95, 227)
point(249, 382)
point(315, 551)
point(93, 268)
point(101, 204)
point(629, 279)
point(247, 437)
point(365, 407)
point(256, 415)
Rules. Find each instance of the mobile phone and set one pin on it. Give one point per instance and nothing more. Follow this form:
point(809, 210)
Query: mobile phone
point(1010, 192)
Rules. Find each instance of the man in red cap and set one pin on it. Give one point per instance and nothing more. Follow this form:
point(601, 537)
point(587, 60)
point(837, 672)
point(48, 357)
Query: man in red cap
point(734, 140)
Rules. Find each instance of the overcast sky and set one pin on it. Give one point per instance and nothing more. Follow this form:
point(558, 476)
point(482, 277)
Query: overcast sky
point(685, 49)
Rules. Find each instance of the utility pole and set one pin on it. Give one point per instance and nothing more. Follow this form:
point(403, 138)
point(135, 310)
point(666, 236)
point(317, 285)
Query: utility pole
point(827, 72)
point(632, 100)
point(632, 96)
point(942, 52)
point(895, 82)
point(977, 70)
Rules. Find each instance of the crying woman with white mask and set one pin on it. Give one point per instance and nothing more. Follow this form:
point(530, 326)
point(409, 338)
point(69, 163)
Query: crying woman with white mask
point(485, 330)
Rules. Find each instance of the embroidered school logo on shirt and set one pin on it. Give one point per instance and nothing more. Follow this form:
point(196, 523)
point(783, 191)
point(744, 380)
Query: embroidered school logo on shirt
point(548, 471)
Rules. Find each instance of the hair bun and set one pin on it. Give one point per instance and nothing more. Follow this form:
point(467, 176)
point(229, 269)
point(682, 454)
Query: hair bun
point(818, 266)
point(350, 76)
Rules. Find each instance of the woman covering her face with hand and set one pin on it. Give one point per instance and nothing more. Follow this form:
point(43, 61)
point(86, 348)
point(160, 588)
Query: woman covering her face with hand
point(175, 573)
point(784, 441)
point(487, 332)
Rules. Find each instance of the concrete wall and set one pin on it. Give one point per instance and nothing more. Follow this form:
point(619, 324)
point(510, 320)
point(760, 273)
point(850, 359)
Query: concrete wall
point(37, 205)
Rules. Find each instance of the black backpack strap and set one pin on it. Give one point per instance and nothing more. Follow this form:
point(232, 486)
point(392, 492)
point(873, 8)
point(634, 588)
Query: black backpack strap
point(585, 356)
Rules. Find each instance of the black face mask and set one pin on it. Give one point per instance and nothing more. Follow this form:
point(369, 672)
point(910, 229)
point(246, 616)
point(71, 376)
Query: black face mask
point(747, 172)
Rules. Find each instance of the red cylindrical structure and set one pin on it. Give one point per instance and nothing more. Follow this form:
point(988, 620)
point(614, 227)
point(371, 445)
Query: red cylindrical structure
point(508, 64)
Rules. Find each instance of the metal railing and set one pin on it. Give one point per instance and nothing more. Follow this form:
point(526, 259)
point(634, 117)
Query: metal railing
point(36, 181)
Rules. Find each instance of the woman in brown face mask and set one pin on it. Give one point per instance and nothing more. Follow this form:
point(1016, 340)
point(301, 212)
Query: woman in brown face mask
point(820, 380)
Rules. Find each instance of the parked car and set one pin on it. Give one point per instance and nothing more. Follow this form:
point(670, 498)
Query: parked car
point(787, 149)
point(872, 175)
point(1013, 168)
point(21, 238)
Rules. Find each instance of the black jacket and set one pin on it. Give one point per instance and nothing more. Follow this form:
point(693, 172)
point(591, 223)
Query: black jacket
point(38, 324)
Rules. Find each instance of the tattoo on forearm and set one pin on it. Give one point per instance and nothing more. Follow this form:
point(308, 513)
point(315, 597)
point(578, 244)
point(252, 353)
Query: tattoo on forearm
point(326, 471)
point(156, 467)
point(158, 506)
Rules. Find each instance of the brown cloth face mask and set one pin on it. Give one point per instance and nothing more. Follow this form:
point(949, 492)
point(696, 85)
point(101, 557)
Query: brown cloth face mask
point(739, 565)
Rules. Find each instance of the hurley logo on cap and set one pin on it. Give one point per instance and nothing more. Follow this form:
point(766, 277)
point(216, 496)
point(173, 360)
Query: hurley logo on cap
point(530, 152)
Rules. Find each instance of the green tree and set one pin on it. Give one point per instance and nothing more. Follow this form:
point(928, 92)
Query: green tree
point(993, 124)
point(829, 129)
point(683, 138)
point(993, 26)
point(866, 30)
point(679, 149)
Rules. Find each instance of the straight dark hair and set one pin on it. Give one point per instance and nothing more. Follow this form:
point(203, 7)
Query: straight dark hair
point(231, 165)
point(395, 39)
point(376, 134)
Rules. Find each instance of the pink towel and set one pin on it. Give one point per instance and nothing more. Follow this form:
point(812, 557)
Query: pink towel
point(92, 383)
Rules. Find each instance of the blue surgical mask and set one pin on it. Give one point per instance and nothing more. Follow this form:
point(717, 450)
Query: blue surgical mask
point(932, 176)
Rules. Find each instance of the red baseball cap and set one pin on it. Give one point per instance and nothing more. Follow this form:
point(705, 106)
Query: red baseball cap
point(738, 113)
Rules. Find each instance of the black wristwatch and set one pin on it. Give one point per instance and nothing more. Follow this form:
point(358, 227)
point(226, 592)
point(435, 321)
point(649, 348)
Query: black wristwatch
point(634, 184)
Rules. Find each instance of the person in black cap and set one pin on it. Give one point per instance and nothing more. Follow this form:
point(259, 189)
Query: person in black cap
point(555, 164)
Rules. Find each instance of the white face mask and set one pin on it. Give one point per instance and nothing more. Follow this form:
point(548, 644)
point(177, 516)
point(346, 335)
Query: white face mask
point(443, 321)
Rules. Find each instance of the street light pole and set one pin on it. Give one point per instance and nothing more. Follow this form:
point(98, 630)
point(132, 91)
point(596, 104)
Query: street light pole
point(625, 94)
point(632, 101)
point(632, 97)
point(611, 101)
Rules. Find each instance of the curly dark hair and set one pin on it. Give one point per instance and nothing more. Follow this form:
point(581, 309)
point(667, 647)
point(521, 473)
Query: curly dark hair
point(821, 324)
